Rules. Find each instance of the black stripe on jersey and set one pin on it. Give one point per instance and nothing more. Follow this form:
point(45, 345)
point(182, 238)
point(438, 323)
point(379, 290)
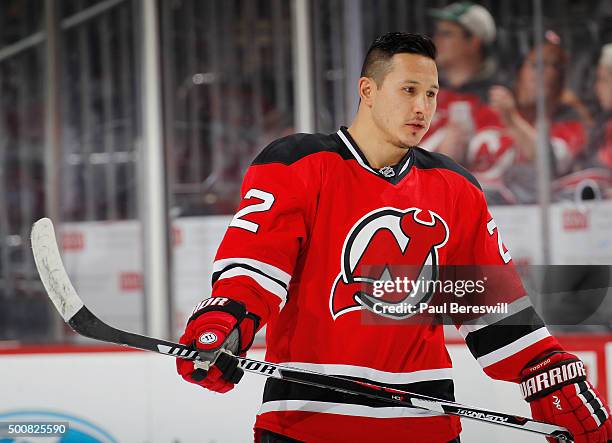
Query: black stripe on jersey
point(433, 160)
point(290, 149)
point(217, 274)
point(502, 333)
point(276, 389)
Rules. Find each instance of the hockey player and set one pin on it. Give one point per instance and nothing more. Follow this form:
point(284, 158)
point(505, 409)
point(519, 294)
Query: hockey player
point(322, 217)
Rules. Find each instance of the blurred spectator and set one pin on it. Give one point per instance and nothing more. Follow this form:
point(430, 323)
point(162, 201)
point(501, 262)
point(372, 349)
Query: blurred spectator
point(517, 134)
point(591, 176)
point(463, 35)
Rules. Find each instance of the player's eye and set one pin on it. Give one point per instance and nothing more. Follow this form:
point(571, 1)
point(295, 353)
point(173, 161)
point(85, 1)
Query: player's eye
point(409, 89)
point(431, 94)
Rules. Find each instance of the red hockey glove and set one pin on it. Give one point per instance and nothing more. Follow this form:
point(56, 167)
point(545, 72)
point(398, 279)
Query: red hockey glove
point(558, 392)
point(217, 323)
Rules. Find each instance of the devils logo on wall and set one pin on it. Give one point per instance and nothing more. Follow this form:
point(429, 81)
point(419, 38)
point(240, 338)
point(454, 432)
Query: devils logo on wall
point(388, 244)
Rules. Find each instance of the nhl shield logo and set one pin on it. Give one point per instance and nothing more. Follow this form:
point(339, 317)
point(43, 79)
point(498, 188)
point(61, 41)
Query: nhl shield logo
point(382, 245)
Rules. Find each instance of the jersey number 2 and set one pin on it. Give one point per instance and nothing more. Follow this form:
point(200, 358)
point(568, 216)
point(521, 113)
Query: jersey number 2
point(267, 201)
point(505, 255)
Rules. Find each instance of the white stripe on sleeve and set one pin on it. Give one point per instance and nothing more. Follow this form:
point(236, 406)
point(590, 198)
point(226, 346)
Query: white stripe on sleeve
point(266, 268)
point(514, 347)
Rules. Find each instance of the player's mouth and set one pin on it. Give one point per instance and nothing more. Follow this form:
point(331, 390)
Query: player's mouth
point(416, 126)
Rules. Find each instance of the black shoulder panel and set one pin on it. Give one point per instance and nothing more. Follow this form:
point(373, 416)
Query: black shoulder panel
point(289, 149)
point(424, 159)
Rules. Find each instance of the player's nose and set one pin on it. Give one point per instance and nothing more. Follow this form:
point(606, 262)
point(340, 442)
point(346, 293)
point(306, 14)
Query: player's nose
point(419, 104)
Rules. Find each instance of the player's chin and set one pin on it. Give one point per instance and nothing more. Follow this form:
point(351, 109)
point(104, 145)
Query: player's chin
point(411, 138)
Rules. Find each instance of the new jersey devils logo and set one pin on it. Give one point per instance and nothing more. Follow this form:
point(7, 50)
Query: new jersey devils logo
point(382, 245)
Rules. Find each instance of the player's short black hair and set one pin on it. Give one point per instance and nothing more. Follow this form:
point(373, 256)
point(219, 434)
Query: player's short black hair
point(377, 62)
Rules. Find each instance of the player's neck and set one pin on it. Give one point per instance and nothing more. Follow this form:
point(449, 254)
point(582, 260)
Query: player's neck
point(373, 144)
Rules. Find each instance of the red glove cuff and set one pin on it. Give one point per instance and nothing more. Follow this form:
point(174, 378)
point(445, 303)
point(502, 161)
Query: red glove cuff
point(551, 373)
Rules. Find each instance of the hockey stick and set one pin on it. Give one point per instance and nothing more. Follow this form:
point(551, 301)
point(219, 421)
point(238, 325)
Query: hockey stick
point(83, 321)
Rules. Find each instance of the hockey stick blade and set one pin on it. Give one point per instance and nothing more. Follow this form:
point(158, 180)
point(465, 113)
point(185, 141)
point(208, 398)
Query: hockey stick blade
point(72, 309)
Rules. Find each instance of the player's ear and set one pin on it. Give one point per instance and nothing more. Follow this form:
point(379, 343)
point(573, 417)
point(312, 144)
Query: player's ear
point(367, 90)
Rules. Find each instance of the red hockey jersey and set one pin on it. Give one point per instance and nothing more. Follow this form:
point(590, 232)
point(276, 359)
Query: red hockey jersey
point(316, 224)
